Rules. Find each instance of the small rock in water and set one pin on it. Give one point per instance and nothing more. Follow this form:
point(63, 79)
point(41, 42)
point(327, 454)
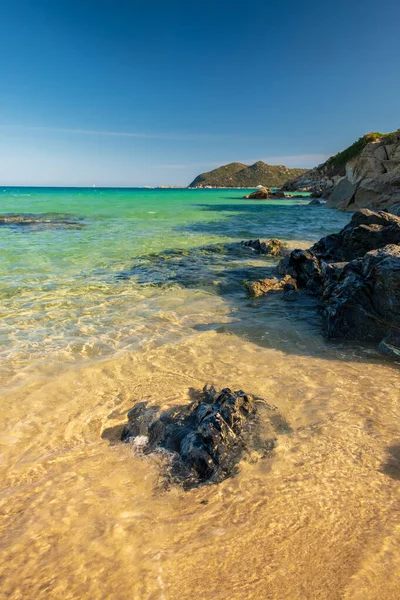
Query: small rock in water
point(256, 289)
point(274, 247)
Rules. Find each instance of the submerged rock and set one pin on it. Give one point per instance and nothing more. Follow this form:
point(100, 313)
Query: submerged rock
point(274, 247)
point(315, 202)
point(216, 268)
point(259, 288)
point(205, 439)
point(31, 221)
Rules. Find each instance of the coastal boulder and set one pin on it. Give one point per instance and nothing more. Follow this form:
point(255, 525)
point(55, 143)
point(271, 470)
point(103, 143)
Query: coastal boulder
point(260, 194)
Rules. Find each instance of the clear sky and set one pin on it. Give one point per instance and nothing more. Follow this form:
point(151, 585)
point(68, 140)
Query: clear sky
point(146, 92)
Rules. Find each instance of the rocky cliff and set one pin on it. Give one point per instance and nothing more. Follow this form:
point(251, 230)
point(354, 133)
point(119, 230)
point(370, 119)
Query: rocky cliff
point(240, 175)
point(367, 174)
point(372, 179)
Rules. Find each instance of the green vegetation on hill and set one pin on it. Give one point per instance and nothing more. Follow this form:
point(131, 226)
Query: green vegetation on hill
point(340, 159)
point(240, 175)
point(335, 166)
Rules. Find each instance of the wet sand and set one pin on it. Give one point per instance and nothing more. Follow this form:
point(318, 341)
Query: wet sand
point(84, 517)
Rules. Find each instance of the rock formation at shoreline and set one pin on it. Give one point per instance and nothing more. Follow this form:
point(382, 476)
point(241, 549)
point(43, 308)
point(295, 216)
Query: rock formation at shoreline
point(241, 175)
point(274, 247)
point(264, 193)
point(365, 175)
point(204, 440)
point(356, 275)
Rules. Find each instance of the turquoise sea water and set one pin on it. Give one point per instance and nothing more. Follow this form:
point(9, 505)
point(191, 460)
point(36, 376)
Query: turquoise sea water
point(91, 281)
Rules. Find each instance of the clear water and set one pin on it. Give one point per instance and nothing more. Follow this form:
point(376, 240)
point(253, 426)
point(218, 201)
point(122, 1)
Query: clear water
point(132, 295)
point(63, 292)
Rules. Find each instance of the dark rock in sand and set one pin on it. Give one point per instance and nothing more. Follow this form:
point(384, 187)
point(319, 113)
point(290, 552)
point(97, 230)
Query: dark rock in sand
point(206, 435)
point(204, 441)
point(274, 247)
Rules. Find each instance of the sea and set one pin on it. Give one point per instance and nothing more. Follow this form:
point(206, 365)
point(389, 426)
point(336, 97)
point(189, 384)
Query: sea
point(110, 297)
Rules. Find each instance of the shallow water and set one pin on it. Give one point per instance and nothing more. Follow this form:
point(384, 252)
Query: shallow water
point(97, 318)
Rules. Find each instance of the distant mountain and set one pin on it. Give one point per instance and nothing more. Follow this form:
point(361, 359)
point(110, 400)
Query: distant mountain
point(240, 175)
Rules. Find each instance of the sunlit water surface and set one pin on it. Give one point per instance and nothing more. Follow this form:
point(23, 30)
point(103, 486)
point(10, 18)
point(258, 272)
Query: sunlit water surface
point(132, 295)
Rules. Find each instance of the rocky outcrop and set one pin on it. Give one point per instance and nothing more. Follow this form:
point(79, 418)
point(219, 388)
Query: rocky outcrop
point(356, 275)
point(241, 175)
point(364, 300)
point(266, 194)
point(273, 247)
point(366, 174)
point(372, 179)
point(366, 231)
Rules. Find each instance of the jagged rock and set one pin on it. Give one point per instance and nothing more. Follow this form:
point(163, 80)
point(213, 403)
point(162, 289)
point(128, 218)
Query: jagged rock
point(262, 287)
point(315, 202)
point(364, 302)
point(274, 247)
point(304, 267)
point(364, 175)
point(206, 438)
point(372, 178)
point(260, 194)
point(356, 274)
point(366, 231)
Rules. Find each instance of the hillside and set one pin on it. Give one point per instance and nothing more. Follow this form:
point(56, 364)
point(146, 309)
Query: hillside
point(325, 176)
point(240, 175)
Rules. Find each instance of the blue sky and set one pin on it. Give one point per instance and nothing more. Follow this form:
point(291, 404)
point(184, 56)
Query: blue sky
point(144, 93)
